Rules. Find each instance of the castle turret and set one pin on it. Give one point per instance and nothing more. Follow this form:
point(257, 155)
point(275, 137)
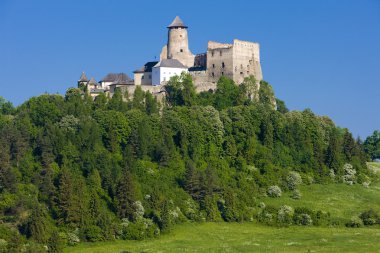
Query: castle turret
point(178, 43)
point(83, 80)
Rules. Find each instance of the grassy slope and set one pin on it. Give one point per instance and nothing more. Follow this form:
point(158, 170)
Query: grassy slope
point(340, 200)
point(248, 237)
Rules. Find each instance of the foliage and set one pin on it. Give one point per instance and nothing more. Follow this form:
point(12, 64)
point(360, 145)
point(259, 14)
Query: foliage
point(75, 169)
point(274, 191)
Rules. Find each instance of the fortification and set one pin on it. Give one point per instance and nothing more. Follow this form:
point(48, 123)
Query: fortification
point(237, 61)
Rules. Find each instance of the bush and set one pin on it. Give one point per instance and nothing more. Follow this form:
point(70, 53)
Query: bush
point(355, 222)
point(296, 194)
point(369, 217)
point(293, 180)
point(93, 234)
point(274, 191)
point(303, 216)
point(349, 174)
point(284, 215)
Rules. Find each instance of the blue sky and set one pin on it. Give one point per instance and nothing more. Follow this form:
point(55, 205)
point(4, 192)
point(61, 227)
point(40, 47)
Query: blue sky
point(322, 55)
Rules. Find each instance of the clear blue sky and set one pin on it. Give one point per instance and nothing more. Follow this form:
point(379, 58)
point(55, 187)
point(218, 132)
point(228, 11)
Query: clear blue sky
point(322, 55)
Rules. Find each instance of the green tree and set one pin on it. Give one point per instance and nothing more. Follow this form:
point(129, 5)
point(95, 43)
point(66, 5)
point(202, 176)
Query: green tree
point(125, 195)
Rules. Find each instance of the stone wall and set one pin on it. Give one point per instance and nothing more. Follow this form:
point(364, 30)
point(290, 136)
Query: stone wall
point(246, 60)
point(219, 61)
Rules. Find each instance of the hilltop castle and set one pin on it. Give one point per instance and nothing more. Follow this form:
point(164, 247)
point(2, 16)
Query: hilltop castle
point(236, 61)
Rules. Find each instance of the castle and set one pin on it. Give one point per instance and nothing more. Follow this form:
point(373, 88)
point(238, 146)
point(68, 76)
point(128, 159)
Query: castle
point(236, 61)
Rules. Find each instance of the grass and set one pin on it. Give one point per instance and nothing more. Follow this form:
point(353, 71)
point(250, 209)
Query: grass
point(246, 237)
point(342, 201)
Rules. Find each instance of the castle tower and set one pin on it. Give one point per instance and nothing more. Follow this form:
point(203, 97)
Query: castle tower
point(83, 80)
point(178, 43)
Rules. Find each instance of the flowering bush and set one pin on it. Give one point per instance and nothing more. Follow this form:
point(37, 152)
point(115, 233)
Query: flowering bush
point(349, 174)
point(274, 191)
point(293, 180)
point(284, 215)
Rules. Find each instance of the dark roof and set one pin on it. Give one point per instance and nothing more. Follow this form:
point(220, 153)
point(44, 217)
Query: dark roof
point(83, 78)
point(112, 77)
point(170, 63)
point(120, 81)
point(92, 81)
point(147, 67)
point(177, 22)
point(198, 68)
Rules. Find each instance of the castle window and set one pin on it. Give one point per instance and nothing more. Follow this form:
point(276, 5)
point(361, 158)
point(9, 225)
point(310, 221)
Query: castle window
point(142, 77)
point(223, 65)
point(212, 53)
point(220, 52)
point(181, 50)
point(213, 65)
point(213, 75)
point(222, 73)
point(241, 73)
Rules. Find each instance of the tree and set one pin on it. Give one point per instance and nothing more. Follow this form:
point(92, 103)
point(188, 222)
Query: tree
point(38, 227)
point(266, 94)
point(226, 93)
point(138, 101)
point(372, 145)
point(125, 195)
point(151, 104)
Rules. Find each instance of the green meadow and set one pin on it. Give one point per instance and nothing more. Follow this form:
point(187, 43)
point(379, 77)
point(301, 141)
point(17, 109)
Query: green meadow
point(342, 201)
point(246, 237)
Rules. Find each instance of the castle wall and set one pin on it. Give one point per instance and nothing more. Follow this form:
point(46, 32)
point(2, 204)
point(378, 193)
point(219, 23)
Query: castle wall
point(246, 60)
point(219, 61)
point(143, 78)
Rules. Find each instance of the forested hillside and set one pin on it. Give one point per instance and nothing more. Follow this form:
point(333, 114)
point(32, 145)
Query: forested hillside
point(73, 169)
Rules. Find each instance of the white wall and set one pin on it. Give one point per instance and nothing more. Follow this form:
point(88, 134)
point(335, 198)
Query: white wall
point(163, 74)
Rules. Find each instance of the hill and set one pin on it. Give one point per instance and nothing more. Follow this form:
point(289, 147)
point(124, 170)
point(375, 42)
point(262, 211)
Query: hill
point(74, 169)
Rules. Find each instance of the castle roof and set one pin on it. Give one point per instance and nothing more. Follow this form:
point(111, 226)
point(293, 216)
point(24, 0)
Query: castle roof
point(177, 22)
point(170, 63)
point(83, 77)
point(147, 67)
point(92, 81)
point(112, 77)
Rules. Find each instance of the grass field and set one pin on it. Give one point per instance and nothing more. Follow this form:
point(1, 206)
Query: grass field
point(247, 237)
point(342, 201)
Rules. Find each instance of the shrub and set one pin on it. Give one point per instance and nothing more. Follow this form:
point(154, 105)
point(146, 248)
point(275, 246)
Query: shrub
point(284, 215)
point(355, 222)
point(369, 217)
point(72, 239)
point(296, 194)
point(274, 191)
point(293, 180)
point(305, 219)
point(303, 216)
point(349, 174)
point(93, 234)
